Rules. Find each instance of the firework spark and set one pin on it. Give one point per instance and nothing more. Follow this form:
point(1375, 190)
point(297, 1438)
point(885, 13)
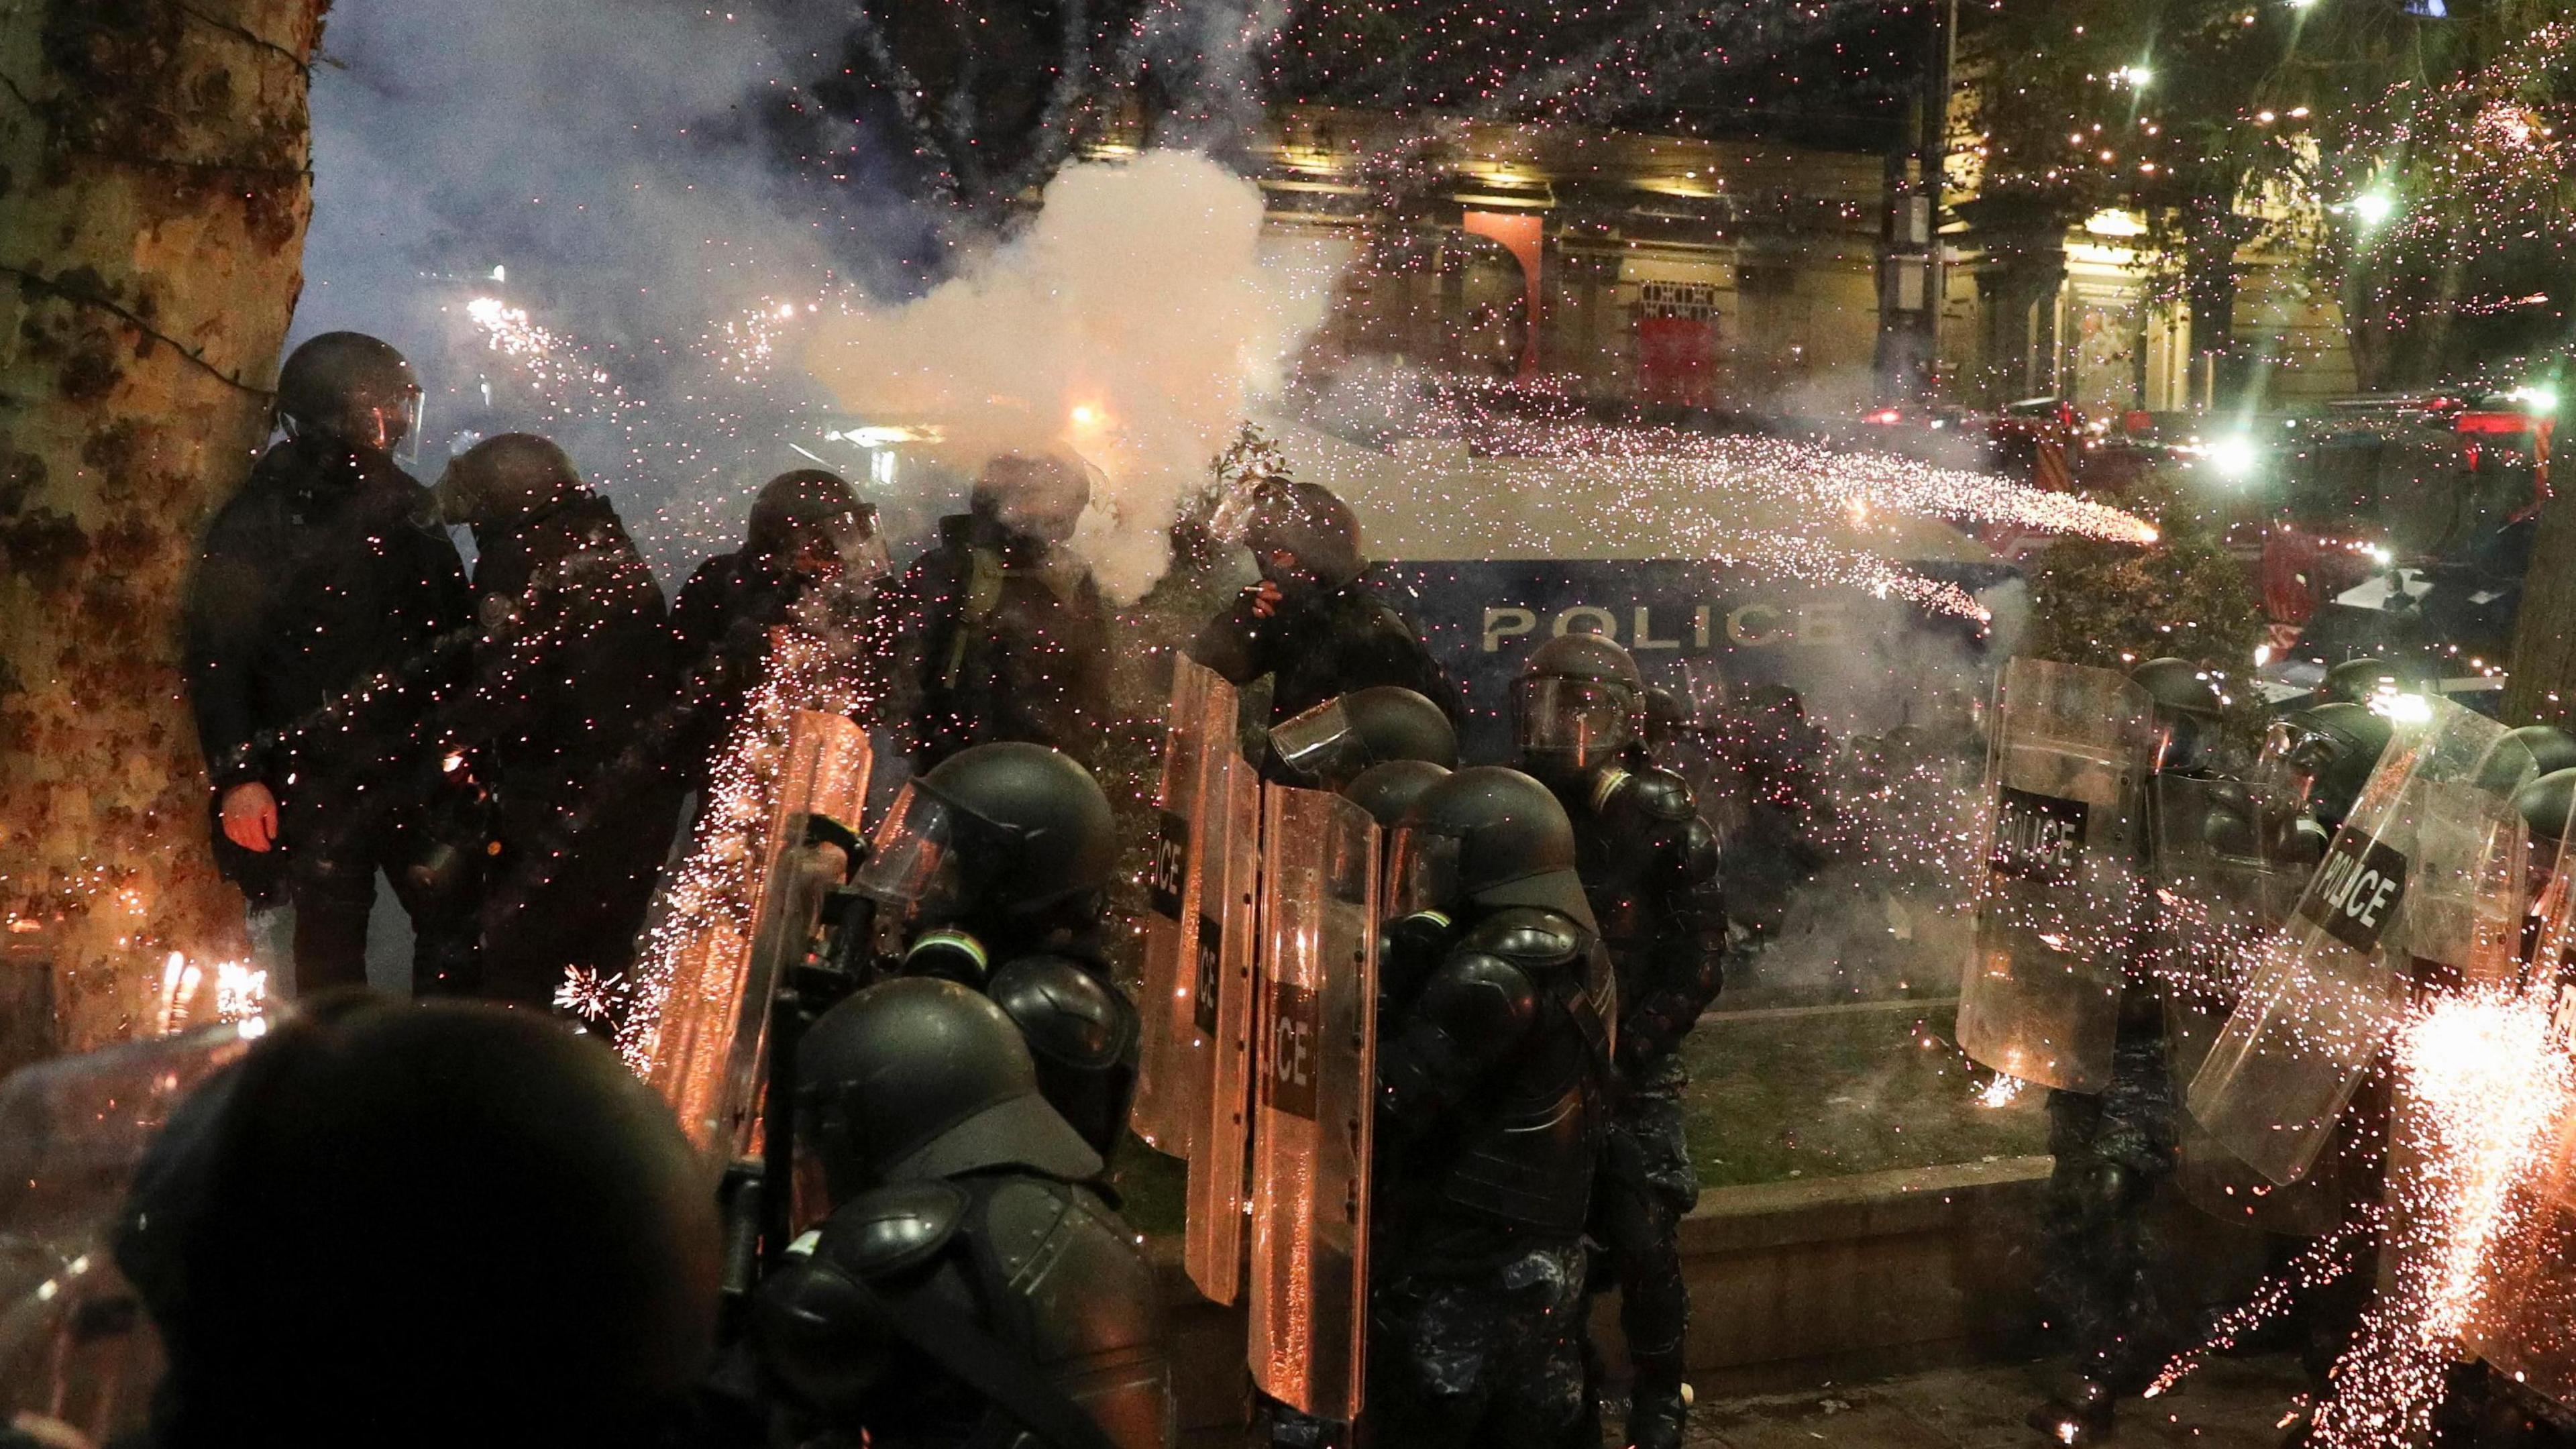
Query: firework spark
point(2484, 1080)
point(587, 994)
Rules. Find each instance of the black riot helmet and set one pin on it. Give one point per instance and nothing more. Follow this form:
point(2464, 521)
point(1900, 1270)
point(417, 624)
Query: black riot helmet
point(1302, 534)
point(1387, 791)
point(2547, 806)
point(812, 522)
point(2187, 705)
point(2549, 748)
point(2178, 686)
point(919, 1077)
point(1580, 703)
point(998, 834)
point(463, 1225)
point(2320, 758)
point(510, 476)
point(1481, 839)
point(1330, 744)
point(351, 389)
point(1040, 495)
point(2358, 681)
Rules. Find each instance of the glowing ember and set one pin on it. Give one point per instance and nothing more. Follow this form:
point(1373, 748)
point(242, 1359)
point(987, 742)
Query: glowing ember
point(2000, 1092)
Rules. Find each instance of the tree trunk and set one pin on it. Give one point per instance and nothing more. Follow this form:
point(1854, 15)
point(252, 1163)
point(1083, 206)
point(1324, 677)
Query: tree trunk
point(2212, 235)
point(2542, 686)
point(153, 197)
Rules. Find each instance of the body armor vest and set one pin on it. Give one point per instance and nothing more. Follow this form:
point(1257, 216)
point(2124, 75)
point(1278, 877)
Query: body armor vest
point(1526, 1155)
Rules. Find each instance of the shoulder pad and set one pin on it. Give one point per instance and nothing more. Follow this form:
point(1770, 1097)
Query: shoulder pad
point(888, 1231)
point(1067, 1013)
point(1659, 794)
point(1528, 937)
point(1700, 853)
point(1478, 998)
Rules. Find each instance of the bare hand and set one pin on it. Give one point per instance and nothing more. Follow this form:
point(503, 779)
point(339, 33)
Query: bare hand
point(1265, 599)
point(250, 816)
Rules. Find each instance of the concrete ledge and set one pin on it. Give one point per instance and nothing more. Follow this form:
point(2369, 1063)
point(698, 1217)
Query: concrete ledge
point(1857, 1276)
point(1796, 1283)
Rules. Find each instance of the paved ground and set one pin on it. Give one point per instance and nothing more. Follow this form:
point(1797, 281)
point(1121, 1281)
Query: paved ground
point(2229, 1404)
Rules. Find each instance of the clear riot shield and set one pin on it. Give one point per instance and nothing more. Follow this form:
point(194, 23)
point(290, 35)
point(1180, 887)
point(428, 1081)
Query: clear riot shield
point(1184, 939)
point(2041, 995)
point(1314, 1071)
point(2220, 893)
point(2218, 897)
point(2333, 979)
point(1212, 1248)
point(74, 1344)
point(706, 1052)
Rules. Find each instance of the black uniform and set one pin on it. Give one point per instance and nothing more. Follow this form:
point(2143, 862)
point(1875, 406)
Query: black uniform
point(1320, 642)
point(995, 634)
point(971, 1287)
point(1649, 867)
point(328, 628)
point(1490, 1093)
point(573, 675)
point(1650, 870)
point(2104, 1275)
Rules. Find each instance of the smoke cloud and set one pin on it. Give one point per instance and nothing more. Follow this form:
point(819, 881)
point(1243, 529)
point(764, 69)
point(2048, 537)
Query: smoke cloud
point(1129, 324)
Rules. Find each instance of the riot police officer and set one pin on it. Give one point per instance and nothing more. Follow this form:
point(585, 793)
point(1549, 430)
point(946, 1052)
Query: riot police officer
point(970, 1287)
point(327, 630)
point(2104, 1276)
point(1328, 746)
point(999, 632)
point(572, 674)
point(1490, 1081)
point(2318, 759)
point(420, 1226)
point(810, 560)
point(1312, 624)
point(1649, 865)
point(993, 870)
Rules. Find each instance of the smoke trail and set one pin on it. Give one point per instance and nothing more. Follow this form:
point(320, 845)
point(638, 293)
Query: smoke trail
point(1128, 324)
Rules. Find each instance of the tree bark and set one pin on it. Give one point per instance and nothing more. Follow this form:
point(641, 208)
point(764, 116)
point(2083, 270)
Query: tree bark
point(154, 189)
point(2542, 686)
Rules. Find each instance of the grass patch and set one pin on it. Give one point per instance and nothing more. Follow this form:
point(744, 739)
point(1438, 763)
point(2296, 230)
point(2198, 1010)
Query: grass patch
point(1828, 1093)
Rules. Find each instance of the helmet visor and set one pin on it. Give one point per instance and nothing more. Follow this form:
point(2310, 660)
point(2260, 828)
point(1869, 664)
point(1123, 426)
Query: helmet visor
point(1320, 746)
point(1232, 518)
point(403, 425)
point(2285, 774)
point(1424, 876)
point(1584, 722)
point(836, 544)
point(929, 856)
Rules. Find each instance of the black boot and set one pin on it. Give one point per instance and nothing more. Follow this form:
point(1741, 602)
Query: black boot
point(1659, 1403)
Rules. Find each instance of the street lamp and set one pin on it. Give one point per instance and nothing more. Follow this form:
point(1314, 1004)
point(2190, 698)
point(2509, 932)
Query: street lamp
point(2137, 76)
point(2374, 206)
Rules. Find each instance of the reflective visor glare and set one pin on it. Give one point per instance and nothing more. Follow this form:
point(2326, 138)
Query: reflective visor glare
point(910, 853)
point(1313, 739)
point(1426, 872)
point(1578, 716)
